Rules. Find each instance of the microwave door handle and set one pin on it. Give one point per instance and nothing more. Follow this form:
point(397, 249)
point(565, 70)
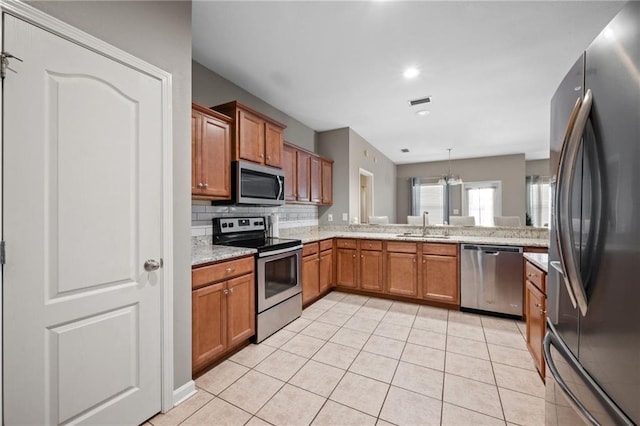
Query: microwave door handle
point(558, 205)
point(281, 186)
point(566, 240)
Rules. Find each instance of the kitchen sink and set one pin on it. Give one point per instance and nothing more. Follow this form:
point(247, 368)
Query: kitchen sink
point(442, 237)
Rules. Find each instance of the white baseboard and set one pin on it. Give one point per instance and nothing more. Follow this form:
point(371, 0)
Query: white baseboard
point(184, 392)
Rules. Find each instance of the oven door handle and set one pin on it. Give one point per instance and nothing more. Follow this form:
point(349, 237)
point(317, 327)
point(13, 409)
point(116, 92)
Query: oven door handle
point(284, 250)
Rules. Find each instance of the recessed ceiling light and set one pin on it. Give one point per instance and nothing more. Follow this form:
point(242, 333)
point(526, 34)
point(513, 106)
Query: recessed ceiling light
point(411, 72)
point(423, 112)
point(405, 150)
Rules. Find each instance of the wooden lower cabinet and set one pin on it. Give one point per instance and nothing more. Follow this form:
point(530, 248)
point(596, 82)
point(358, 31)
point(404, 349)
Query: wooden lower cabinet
point(371, 277)
point(223, 312)
point(535, 310)
point(346, 267)
point(402, 274)
point(310, 278)
point(326, 270)
point(440, 278)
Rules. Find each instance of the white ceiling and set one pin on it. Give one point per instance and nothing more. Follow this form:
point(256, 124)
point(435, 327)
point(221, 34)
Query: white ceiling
point(491, 67)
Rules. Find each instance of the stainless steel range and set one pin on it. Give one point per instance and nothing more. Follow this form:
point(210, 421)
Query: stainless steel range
point(278, 263)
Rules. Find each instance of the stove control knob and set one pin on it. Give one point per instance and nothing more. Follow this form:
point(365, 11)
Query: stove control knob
point(257, 223)
point(231, 225)
point(224, 225)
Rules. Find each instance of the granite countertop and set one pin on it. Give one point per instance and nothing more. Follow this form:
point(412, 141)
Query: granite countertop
point(541, 260)
point(524, 242)
point(202, 251)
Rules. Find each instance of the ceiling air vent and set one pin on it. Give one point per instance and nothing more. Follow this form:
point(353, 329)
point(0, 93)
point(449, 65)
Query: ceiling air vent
point(405, 150)
point(420, 101)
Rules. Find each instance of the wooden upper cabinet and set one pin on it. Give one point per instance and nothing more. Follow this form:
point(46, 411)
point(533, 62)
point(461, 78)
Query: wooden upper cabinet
point(315, 173)
point(327, 182)
point(303, 162)
point(289, 165)
point(250, 137)
point(273, 145)
point(308, 176)
point(210, 154)
point(255, 137)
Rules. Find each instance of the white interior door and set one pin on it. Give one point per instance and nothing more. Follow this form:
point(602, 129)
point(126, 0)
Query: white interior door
point(82, 181)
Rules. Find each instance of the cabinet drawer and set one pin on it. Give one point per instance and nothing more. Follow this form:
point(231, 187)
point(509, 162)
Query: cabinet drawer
point(536, 276)
point(370, 245)
point(221, 271)
point(309, 249)
point(346, 243)
point(399, 247)
point(326, 245)
point(440, 249)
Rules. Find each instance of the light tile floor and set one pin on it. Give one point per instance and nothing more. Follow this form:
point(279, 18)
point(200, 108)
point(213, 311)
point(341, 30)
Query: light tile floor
point(357, 360)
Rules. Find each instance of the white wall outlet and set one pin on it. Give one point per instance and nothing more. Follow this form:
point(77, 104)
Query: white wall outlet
point(329, 217)
point(345, 216)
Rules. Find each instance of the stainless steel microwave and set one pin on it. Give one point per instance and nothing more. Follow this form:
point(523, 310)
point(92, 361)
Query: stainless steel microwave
point(255, 184)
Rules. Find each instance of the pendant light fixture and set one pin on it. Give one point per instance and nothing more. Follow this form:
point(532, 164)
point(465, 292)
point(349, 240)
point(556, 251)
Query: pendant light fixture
point(449, 178)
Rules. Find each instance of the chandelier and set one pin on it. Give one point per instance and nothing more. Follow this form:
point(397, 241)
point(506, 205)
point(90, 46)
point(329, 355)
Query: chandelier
point(449, 178)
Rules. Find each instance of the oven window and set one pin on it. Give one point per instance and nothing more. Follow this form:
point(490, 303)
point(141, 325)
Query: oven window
point(280, 275)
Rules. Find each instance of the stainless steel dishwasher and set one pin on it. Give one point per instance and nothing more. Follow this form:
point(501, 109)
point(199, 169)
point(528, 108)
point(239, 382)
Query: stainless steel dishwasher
point(491, 278)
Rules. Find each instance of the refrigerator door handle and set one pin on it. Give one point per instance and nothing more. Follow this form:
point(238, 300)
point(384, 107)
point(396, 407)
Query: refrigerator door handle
point(571, 398)
point(565, 238)
point(560, 173)
point(551, 339)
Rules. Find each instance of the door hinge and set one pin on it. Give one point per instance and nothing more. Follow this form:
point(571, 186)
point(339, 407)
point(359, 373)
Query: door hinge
point(4, 62)
point(2, 255)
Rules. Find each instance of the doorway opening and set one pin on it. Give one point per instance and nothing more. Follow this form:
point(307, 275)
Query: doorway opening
point(366, 196)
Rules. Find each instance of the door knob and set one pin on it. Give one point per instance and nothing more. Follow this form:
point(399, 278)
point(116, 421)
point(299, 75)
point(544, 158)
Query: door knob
point(151, 265)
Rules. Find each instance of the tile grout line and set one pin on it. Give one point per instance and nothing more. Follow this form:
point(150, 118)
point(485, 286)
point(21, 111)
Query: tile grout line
point(504, 416)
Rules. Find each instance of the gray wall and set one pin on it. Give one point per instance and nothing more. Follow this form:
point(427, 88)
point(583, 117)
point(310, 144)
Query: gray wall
point(510, 169)
point(347, 148)
point(158, 32)
point(384, 177)
point(538, 167)
point(335, 144)
point(209, 89)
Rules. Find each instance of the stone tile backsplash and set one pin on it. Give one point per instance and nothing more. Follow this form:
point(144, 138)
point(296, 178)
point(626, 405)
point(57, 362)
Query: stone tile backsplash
point(290, 216)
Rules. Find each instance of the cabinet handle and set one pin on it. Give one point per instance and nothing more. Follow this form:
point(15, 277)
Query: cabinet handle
point(268, 157)
point(226, 292)
point(261, 156)
point(531, 275)
point(362, 256)
point(424, 261)
point(228, 270)
point(231, 290)
point(538, 305)
point(542, 312)
point(206, 185)
point(354, 256)
point(414, 260)
point(200, 185)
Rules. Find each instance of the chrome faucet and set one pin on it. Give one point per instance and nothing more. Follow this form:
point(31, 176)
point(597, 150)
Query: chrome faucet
point(425, 221)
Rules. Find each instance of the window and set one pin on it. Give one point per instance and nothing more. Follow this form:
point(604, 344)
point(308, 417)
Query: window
point(432, 201)
point(538, 200)
point(482, 200)
point(429, 197)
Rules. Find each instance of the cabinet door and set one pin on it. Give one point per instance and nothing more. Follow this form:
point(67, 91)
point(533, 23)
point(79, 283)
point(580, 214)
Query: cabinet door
point(303, 176)
point(273, 145)
point(316, 179)
point(241, 309)
point(326, 270)
point(535, 311)
point(327, 182)
point(371, 270)
point(290, 173)
point(250, 141)
point(440, 278)
point(215, 158)
point(209, 325)
point(346, 268)
point(310, 277)
point(402, 274)
point(196, 135)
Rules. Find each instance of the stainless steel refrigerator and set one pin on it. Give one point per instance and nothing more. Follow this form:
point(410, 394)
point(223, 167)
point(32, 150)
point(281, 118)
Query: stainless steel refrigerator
point(592, 345)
